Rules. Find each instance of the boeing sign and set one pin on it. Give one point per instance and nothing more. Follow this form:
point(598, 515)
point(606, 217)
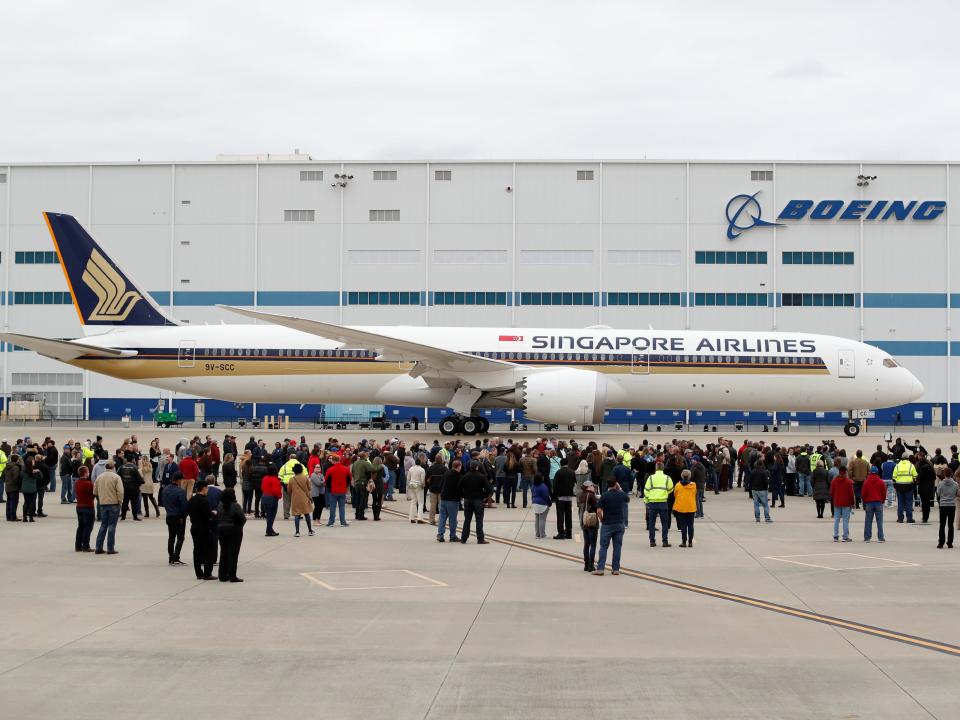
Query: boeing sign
point(743, 211)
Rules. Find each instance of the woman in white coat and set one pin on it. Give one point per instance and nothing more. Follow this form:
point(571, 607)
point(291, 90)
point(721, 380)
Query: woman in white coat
point(416, 479)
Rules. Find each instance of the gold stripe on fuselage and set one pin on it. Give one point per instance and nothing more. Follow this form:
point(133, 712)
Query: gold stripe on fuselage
point(139, 368)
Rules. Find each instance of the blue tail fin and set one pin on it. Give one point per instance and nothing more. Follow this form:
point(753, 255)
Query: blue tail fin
point(102, 294)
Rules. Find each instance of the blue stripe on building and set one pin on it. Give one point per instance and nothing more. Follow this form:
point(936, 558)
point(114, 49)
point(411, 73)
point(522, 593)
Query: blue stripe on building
point(912, 348)
point(904, 300)
point(329, 298)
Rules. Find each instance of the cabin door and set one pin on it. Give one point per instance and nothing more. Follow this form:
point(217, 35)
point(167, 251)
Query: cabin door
point(846, 364)
point(186, 357)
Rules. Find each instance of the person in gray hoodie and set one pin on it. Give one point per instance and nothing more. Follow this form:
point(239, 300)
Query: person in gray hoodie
point(947, 500)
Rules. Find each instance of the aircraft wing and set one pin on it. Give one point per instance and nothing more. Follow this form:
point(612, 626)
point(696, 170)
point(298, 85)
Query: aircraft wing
point(391, 348)
point(63, 349)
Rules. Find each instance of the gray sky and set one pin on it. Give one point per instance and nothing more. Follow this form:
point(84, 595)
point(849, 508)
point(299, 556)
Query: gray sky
point(120, 80)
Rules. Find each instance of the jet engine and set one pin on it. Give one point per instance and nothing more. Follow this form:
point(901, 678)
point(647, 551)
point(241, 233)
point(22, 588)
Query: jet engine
point(565, 396)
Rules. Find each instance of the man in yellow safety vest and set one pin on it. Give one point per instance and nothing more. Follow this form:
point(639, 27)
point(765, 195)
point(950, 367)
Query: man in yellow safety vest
point(656, 494)
point(904, 478)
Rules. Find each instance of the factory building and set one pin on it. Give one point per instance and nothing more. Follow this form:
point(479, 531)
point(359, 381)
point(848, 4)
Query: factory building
point(861, 250)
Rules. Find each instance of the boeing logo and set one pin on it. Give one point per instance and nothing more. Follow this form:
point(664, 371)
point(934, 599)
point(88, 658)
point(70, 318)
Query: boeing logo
point(114, 301)
point(743, 211)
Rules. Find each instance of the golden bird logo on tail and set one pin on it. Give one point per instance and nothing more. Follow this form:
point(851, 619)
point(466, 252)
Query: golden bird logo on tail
point(114, 301)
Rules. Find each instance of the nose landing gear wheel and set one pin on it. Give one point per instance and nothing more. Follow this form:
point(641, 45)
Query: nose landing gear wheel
point(851, 429)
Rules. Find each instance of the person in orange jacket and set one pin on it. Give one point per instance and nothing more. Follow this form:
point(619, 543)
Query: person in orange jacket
point(685, 507)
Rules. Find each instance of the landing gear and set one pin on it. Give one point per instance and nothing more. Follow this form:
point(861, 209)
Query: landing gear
point(851, 429)
point(450, 425)
point(456, 424)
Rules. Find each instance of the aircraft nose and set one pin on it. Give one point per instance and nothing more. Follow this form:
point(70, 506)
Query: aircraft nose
point(916, 388)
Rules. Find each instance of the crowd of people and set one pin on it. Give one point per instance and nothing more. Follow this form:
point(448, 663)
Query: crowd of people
point(449, 485)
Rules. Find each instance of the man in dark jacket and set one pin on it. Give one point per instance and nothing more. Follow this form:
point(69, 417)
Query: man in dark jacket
point(131, 479)
point(175, 503)
point(201, 531)
point(474, 488)
point(435, 476)
point(563, 486)
point(448, 488)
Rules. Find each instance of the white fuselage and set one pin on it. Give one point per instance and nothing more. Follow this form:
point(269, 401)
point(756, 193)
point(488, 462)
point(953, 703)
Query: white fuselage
point(644, 368)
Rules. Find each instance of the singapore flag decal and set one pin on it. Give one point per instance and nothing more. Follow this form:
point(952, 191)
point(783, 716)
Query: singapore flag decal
point(511, 338)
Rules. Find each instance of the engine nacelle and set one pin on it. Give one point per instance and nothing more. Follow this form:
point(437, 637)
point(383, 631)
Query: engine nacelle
point(566, 396)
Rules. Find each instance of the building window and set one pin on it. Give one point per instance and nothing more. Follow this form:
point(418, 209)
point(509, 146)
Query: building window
point(730, 257)
point(47, 378)
point(556, 257)
point(384, 175)
point(469, 298)
point(299, 215)
point(443, 175)
point(364, 297)
point(384, 216)
point(643, 298)
point(470, 257)
point(311, 175)
point(584, 174)
point(41, 298)
point(730, 299)
point(3, 178)
point(35, 257)
point(556, 298)
point(818, 257)
point(818, 300)
point(761, 175)
point(656, 258)
point(383, 257)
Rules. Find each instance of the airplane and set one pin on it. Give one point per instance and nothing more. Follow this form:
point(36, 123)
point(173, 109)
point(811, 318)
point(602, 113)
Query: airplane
point(562, 376)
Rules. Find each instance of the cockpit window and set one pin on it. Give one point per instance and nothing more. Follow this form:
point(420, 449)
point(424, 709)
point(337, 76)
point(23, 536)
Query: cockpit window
point(890, 362)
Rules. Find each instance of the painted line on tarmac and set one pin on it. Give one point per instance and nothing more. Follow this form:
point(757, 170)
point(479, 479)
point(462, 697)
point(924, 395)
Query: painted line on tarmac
point(830, 620)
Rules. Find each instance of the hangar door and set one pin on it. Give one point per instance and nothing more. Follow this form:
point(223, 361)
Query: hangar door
point(846, 364)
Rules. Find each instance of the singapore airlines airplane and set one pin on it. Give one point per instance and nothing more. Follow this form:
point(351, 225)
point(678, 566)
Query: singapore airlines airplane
point(563, 376)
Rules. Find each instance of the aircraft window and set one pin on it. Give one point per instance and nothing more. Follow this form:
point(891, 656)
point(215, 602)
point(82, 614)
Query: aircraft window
point(890, 363)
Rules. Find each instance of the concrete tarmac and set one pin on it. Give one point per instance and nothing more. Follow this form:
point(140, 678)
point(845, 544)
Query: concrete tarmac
point(388, 623)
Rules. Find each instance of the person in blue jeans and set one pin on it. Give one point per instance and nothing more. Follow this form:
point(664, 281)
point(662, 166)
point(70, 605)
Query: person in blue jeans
point(611, 511)
point(449, 510)
point(109, 515)
point(759, 487)
point(873, 493)
point(337, 500)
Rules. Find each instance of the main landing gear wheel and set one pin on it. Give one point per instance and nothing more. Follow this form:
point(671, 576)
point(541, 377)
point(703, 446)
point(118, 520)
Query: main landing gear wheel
point(473, 425)
point(851, 429)
point(450, 425)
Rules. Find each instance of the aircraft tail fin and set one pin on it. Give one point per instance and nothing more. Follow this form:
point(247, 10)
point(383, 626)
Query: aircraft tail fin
point(102, 294)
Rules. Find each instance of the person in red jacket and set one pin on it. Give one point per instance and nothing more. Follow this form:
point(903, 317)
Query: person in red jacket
point(83, 491)
point(272, 494)
point(338, 479)
point(873, 493)
point(190, 472)
point(841, 493)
